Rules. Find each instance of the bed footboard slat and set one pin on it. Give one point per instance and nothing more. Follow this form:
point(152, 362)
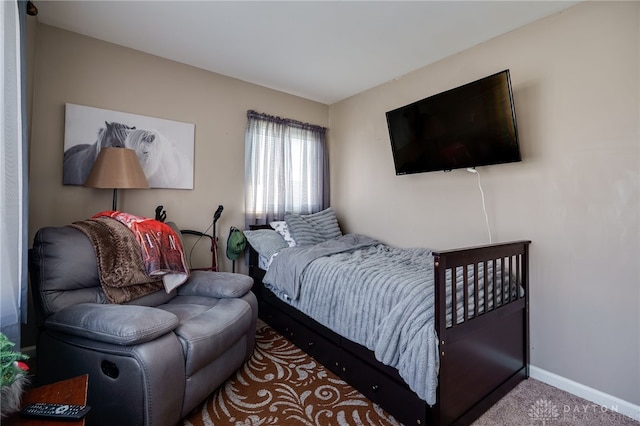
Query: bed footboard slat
point(465, 289)
point(476, 291)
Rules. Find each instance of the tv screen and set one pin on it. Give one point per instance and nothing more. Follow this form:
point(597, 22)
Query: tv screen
point(469, 126)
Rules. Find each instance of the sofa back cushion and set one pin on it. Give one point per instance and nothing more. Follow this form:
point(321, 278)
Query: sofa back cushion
point(64, 272)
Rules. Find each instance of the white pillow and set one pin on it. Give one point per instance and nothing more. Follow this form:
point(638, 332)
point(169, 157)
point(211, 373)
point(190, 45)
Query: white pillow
point(282, 229)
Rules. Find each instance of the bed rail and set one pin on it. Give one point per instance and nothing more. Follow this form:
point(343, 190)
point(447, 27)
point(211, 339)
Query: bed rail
point(483, 341)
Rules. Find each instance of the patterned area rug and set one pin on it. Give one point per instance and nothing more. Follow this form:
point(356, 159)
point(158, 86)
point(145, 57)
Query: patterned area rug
point(281, 385)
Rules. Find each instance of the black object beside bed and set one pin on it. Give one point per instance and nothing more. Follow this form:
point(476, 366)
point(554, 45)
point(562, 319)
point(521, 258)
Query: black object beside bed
point(483, 355)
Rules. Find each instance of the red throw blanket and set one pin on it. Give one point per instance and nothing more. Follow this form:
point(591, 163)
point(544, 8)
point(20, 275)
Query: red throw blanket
point(161, 247)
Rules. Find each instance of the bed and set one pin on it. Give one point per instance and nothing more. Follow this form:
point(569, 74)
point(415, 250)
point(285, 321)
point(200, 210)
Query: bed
point(461, 313)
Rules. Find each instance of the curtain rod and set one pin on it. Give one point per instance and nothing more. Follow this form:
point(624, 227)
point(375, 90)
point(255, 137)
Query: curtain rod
point(253, 114)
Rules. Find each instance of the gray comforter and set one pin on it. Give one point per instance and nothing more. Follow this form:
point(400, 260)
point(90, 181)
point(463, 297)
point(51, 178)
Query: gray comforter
point(378, 296)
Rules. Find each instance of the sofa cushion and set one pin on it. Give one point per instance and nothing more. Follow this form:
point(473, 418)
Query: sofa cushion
point(120, 324)
point(205, 332)
point(153, 299)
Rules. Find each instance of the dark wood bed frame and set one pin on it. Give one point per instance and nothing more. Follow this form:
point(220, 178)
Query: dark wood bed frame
point(482, 357)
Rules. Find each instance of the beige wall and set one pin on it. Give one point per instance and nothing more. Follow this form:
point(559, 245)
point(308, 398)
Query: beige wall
point(576, 194)
point(81, 70)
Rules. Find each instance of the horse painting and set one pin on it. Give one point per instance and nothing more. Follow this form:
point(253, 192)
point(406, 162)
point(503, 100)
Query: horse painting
point(164, 165)
point(79, 159)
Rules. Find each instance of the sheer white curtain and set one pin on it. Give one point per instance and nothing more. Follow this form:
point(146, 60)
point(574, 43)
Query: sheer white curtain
point(12, 218)
point(286, 168)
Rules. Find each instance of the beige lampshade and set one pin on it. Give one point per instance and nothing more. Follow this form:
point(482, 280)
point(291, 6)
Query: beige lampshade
point(116, 168)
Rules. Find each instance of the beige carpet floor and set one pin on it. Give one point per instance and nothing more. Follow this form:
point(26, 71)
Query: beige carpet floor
point(534, 403)
point(282, 386)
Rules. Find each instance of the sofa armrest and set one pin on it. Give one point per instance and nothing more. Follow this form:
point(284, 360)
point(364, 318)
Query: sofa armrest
point(123, 325)
point(221, 285)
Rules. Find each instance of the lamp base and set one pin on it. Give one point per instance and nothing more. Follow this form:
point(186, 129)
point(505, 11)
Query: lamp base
point(115, 199)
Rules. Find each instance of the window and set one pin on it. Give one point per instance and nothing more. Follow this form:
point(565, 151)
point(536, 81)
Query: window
point(286, 168)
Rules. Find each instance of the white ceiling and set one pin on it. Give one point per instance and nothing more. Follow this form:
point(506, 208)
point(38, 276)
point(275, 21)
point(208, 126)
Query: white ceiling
point(320, 50)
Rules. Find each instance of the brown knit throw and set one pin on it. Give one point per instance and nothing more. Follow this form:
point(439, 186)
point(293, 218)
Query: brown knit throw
point(120, 266)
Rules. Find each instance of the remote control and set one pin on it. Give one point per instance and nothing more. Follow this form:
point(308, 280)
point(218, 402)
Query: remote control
point(53, 411)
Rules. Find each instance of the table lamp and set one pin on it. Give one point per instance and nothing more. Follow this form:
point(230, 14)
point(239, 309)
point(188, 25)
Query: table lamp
point(116, 168)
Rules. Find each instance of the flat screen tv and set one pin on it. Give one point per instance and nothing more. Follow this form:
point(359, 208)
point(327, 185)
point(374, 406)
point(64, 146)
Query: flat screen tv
point(469, 126)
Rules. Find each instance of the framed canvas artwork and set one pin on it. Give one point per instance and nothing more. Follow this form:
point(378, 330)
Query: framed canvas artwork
point(165, 148)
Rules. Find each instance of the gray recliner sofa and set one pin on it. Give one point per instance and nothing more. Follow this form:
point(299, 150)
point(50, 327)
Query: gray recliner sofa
point(150, 361)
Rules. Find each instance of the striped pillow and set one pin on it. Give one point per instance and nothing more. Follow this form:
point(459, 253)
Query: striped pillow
point(266, 242)
point(313, 228)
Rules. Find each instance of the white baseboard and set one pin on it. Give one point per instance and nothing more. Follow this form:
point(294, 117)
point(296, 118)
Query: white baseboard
point(611, 402)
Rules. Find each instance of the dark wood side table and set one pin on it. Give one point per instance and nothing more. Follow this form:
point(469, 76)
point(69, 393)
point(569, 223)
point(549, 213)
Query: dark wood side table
point(71, 391)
